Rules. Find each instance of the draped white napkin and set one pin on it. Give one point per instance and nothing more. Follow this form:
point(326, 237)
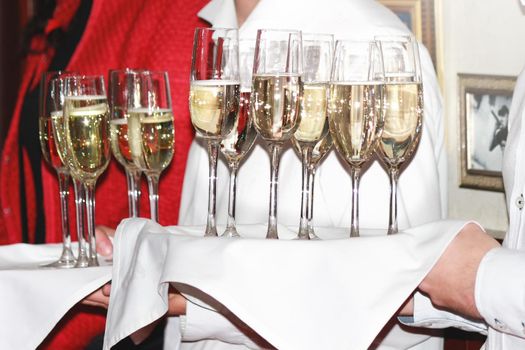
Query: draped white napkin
point(335, 293)
point(34, 299)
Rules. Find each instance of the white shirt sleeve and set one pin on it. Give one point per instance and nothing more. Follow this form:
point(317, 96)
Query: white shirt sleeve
point(428, 316)
point(499, 294)
point(202, 321)
point(500, 290)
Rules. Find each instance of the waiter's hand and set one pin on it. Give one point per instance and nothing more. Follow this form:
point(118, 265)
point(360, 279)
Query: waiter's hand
point(451, 282)
point(99, 298)
point(104, 243)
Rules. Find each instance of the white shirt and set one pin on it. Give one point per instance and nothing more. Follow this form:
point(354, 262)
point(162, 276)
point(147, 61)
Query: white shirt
point(500, 299)
point(422, 186)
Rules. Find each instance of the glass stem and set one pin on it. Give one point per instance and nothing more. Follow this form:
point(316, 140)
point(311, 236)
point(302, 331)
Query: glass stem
point(67, 256)
point(89, 188)
point(305, 193)
point(310, 214)
point(83, 257)
point(153, 187)
point(275, 152)
point(354, 228)
point(392, 221)
point(133, 180)
point(231, 230)
point(213, 153)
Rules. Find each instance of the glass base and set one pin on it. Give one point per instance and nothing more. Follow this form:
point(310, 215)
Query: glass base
point(230, 232)
point(211, 231)
point(301, 238)
point(392, 231)
point(312, 235)
point(93, 261)
point(60, 264)
point(272, 235)
point(67, 260)
point(82, 261)
point(303, 234)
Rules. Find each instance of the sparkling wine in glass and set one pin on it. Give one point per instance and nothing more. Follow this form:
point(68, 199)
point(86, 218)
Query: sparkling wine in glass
point(49, 109)
point(355, 115)
point(151, 132)
point(242, 137)
point(403, 110)
point(277, 90)
point(119, 85)
point(58, 91)
point(214, 98)
point(313, 128)
point(87, 142)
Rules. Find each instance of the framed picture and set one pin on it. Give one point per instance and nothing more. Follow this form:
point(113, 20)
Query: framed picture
point(419, 17)
point(484, 104)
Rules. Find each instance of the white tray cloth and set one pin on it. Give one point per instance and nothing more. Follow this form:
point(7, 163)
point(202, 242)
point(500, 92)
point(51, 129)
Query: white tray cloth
point(327, 294)
point(33, 299)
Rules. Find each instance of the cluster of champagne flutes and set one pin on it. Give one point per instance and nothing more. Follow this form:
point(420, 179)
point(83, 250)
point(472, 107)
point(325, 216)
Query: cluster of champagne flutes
point(365, 96)
point(77, 129)
point(142, 130)
point(74, 136)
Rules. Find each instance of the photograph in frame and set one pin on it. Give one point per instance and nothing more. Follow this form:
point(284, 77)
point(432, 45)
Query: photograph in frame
point(484, 110)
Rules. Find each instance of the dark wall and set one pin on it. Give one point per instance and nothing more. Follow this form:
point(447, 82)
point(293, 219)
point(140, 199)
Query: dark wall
point(13, 15)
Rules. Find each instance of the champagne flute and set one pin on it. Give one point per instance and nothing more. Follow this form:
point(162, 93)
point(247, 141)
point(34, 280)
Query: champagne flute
point(239, 142)
point(214, 97)
point(151, 131)
point(313, 128)
point(277, 91)
point(87, 142)
point(48, 110)
point(58, 88)
point(355, 115)
point(403, 110)
point(119, 85)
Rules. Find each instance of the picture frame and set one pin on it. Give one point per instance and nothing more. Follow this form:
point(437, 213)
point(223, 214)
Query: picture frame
point(484, 105)
point(419, 17)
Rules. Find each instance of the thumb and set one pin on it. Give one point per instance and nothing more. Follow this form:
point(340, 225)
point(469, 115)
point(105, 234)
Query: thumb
point(104, 242)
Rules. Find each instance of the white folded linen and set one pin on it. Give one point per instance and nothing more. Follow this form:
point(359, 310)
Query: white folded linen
point(334, 293)
point(33, 299)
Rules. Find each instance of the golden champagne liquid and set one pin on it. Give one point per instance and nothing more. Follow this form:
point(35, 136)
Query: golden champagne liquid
point(57, 121)
point(120, 142)
point(403, 112)
point(48, 144)
point(86, 135)
point(213, 107)
point(275, 108)
point(355, 119)
point(241, 138)
point(151, 136)
point(58, 126)
point(314, 121)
